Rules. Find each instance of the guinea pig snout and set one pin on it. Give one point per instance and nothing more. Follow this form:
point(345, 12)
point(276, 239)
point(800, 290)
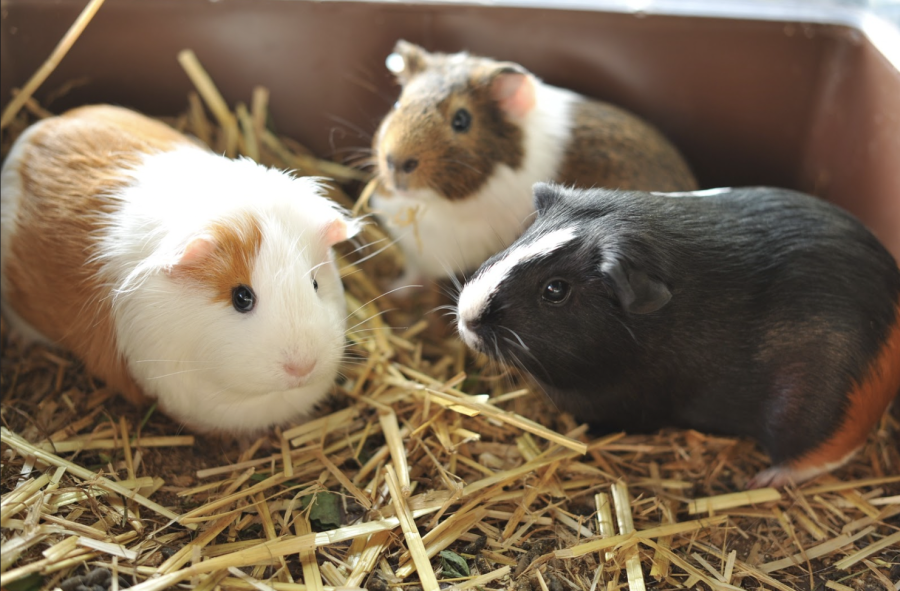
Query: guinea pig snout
point(400, 169)
point(299, 370)
point(402, 165)
point(468, 331)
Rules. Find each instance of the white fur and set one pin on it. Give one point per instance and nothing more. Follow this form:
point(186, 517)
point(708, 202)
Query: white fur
point(10, 197)
point(476, 295)
point(457, 236)
point(701, 193)
point(206, 363)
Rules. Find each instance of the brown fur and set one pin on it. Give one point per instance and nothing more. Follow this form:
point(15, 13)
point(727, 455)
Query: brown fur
point(67, 167)
point(231, 262)
point(615, 149)
point(867, 403)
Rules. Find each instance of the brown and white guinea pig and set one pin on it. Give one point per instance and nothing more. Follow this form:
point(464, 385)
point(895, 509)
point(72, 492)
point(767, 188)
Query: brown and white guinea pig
point(206, 283)
point(469, 137)
point(758, 312)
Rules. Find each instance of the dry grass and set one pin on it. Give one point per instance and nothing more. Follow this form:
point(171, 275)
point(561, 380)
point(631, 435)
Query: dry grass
point(429, 467)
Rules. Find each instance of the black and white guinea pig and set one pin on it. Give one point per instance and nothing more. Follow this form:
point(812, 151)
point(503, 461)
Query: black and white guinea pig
point(206, 283)
point(759, 312)
point(469, 136)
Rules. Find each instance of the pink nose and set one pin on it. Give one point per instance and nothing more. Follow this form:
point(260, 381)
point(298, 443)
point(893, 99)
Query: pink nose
point(299, 369)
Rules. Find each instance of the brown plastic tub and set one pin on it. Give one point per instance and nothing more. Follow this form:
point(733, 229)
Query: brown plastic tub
point(764, 100)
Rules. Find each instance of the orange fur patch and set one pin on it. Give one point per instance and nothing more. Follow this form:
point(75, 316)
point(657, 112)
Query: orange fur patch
point(67, 167)
point(868, 401)
point(229, 263)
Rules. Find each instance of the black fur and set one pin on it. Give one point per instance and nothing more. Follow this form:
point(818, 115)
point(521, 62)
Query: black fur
point(779, 303)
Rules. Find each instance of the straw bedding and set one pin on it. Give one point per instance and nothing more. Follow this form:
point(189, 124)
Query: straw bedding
point(428, 468)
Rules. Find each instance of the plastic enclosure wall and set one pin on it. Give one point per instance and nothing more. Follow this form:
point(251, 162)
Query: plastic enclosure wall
point(809, 106)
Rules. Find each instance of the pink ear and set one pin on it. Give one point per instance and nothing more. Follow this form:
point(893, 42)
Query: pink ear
point(514, 91)
point(199, 248)
point(338, 230)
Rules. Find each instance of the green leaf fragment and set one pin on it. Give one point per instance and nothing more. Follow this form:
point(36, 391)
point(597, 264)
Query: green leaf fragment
point(454, 565)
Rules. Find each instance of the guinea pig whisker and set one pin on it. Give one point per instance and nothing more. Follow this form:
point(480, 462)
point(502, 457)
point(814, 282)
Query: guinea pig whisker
point(367, 244)
point(377, 298)
point(358, 158)
point(350, 362)
point(301, 251)
point(499, 354)
point(457, 286)
point(518, 338)
point(634, 338)
point(184, 371)
point(388, 328)
point(521, 346)
point(362, 77)
point(517, 364)
point(449, 311)
point(452, 273)
point(361, 322)
point(451, 291)
point(315, 268)
point(460, 162)
point(167, 361)
point(376, 253)
point(353, 150)
point(363, 164)
point(362, 133)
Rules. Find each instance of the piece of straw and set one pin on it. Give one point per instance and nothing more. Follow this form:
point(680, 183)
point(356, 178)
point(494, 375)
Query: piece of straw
point(670, 529)
point(733, 500)
point(413, 541)
point(59, 52)
point(207, 89)
point(22, 446)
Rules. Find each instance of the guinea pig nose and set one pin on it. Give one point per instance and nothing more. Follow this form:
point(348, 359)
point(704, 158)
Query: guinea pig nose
point(299, 369)
point(473, 323)
point(410, 165)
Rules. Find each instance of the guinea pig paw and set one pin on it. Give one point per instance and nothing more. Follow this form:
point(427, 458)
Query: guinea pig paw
point(775, 477)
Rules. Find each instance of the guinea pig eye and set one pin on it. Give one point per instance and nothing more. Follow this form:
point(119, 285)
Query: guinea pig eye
point(243, 299)
point(315, 285)
point(462, 120)
point(555, 292)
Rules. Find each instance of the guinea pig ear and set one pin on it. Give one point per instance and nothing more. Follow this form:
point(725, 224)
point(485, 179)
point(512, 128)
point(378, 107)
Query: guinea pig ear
point(513, 89)
point(339, 229)
point(545, 195)
point(407, 60)
point(637, 292)
point(200, 248)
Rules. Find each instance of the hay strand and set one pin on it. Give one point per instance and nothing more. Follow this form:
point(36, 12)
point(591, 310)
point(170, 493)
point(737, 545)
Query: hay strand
point(59, 52)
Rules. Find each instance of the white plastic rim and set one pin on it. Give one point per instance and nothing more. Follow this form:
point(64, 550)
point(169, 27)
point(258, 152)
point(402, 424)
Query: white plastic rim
point(862, 15)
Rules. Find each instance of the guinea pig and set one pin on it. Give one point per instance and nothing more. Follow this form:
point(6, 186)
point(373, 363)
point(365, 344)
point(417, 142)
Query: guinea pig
point(469, 136)
point(175, 274)
point(757, 312)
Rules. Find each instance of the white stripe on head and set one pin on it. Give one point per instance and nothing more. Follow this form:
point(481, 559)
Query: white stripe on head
point(476, 295)
point(701, 193)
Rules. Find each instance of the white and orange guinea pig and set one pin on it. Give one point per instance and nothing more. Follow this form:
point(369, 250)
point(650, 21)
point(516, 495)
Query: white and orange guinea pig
point(206, 283)
point(469, 136)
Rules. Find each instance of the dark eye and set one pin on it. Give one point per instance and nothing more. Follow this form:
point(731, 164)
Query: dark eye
point(243, 299)
point(556, 291)
point(462, 120)
point(315, 285)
